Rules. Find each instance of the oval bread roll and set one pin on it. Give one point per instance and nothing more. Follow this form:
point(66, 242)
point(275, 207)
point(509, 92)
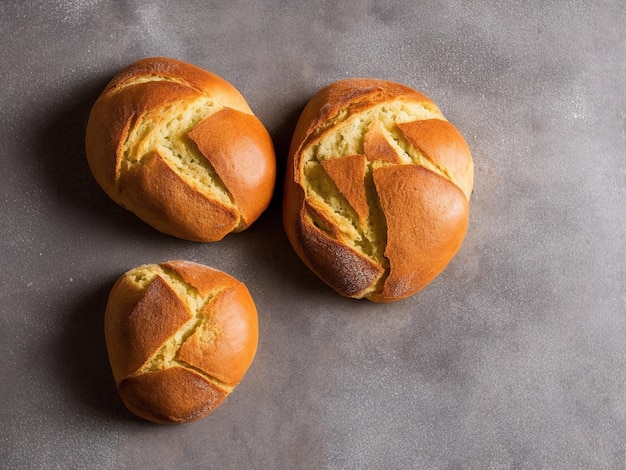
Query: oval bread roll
point(377, 189)
point(180, 336)
point(180, 147)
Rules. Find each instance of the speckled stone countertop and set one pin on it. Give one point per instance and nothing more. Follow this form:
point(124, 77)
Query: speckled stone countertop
point(514, 357)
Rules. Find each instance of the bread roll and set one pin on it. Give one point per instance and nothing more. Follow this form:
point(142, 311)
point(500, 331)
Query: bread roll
point(377, 189)
point(180, 336)
point(180, 147)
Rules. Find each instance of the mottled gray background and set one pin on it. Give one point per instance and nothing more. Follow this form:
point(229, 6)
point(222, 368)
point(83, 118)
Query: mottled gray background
point(513, 358)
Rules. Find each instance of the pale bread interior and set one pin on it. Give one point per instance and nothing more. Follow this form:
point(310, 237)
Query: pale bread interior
point(165, 131)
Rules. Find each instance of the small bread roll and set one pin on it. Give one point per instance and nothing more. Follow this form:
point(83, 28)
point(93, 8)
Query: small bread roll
point(180, 147)
point(377, 189)
point(180, 336)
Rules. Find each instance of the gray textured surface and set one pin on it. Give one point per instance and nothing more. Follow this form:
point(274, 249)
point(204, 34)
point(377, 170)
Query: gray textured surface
point(515, 357)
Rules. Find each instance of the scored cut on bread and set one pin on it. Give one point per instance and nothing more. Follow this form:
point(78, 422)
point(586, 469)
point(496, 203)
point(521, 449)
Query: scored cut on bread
point(377, 189)
point(180, 147)
point(180, 336)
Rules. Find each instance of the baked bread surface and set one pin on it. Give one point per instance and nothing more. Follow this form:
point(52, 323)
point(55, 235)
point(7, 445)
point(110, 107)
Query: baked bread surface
point(180, 147)
point(180, 336)
point(377, 189)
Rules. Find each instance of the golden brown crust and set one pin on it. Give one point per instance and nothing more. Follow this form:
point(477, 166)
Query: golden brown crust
point(227, 357)
point(164, 200)
point(348, 174)
point(243, 165)
point(443, 144)
point(165, 126)
point(133, 343)
point(386, 232)
point(426, 223)
point(344, 270)
point(180, 336)
point(174, 395)
point(377, 147)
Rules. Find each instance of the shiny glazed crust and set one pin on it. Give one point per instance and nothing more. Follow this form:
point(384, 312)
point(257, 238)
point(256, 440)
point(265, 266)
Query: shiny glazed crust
point(377, 189)
point(180, 147)
point(180, 336)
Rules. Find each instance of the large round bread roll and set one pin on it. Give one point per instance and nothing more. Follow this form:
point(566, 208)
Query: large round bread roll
point(377, 189)
point(180, 147)
point(180, 336)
